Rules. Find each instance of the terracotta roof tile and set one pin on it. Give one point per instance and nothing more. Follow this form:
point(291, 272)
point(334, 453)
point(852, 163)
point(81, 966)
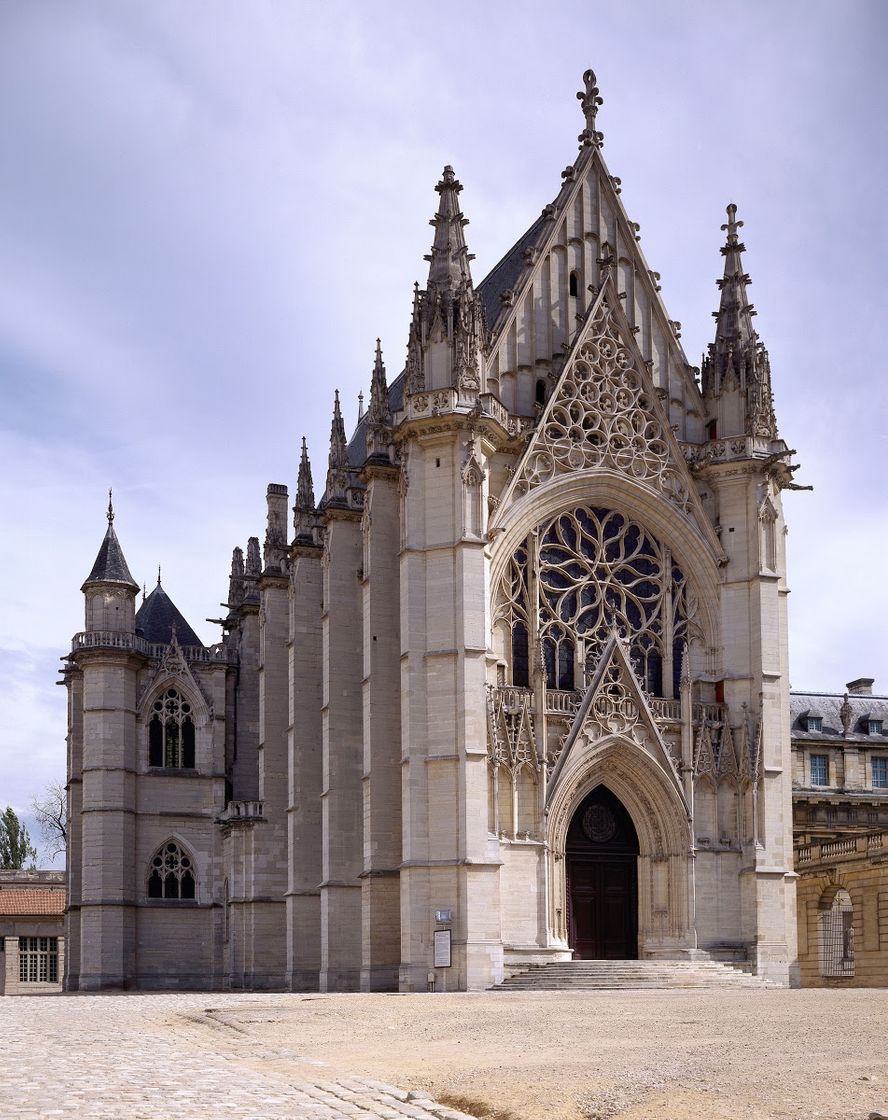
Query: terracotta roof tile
point(26, 902)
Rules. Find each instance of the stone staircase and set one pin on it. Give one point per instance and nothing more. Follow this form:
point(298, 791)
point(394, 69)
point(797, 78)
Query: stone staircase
point(609, 975)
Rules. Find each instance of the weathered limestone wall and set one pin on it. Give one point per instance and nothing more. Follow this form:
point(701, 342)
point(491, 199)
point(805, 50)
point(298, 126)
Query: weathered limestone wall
point(305, 769)
point(342, 801)
point(380, 885)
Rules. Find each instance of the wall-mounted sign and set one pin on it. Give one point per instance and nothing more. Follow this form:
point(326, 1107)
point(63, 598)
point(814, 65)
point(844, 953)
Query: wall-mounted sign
point(443, 915)
point(442, 948)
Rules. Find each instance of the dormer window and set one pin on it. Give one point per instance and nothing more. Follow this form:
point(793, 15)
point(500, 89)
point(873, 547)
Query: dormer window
point(813, 723)
point(874, 727)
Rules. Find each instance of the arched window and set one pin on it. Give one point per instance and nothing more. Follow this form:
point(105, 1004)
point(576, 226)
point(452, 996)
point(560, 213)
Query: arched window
point(171, 732)
point(171, 874)
point(573, 285)
point(541, 392)
point(837, 935)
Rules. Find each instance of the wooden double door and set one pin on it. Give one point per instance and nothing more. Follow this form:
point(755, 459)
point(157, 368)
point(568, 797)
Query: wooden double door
point(602, 880)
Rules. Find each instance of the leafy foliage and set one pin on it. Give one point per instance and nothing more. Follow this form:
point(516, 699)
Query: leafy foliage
point(16, 848)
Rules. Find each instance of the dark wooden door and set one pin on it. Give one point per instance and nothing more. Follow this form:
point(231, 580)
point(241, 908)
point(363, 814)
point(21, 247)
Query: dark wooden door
point(602, 879)
point(603, 897)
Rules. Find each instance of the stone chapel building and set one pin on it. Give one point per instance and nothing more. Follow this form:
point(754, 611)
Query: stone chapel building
point(512, 688)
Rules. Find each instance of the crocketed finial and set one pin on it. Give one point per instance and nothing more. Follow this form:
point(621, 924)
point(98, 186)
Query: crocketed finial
point(110, 508)
point(590, 100)
point(731, 226)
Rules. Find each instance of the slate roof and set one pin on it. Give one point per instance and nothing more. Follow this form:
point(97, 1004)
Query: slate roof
point(827, 705)
point(357, 445)
point(155, 619)
point(26, 902)
point(504, 275)
point(110, 565)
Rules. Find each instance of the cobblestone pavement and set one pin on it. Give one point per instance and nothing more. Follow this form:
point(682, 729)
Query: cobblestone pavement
point(153, 1057)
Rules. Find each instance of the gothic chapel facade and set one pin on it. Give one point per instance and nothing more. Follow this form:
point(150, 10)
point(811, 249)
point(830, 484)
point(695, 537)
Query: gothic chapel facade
point(514, 690)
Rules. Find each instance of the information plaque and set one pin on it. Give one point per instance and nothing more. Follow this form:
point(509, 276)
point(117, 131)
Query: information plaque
point(442, 948)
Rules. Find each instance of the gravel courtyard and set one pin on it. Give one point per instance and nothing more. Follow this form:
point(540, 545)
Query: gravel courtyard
point(680, 1055)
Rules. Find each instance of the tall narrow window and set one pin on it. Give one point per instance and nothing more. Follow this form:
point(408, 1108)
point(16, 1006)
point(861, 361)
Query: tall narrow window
point(172, 873)
point(880, 773)
point(819, 769)
point(171, 732)
point(541, 392)
point(573, 285)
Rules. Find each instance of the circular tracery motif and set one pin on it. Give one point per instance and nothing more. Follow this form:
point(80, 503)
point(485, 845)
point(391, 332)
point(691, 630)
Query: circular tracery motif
point(599, 824)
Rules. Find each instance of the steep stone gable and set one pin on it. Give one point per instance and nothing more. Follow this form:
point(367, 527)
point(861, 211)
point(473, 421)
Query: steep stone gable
point(604, 416)
point(614, 707)
point(537, 318)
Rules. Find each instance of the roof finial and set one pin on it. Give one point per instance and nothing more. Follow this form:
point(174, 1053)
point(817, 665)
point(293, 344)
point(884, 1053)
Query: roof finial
point(360, 405)
point(144, 592)
point(590, 100)
point(732, 225)
point(158, 575)
point(110, 508)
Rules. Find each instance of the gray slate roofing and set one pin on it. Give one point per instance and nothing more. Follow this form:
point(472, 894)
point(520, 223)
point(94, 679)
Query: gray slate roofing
point(827, 705)
point(504, 275)
point(110, 565)
point(156, 617)
point(357, 445)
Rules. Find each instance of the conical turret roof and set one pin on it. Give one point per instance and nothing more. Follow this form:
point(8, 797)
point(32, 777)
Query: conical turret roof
point(157, 616)
point(110, 565)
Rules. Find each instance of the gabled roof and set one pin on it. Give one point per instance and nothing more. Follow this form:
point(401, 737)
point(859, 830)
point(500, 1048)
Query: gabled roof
point(156, 617)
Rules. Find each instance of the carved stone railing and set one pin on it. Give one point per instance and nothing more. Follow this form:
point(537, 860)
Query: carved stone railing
point(116, 639)
point(724, 450)
point(562, 703)
point(848, 847)
point(431, 402)
point(240, 812)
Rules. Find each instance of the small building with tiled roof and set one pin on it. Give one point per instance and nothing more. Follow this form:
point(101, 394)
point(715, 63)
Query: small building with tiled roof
point(32, 941)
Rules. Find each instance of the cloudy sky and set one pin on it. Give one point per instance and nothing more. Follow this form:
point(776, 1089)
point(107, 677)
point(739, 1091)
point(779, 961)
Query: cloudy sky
point(209, 211)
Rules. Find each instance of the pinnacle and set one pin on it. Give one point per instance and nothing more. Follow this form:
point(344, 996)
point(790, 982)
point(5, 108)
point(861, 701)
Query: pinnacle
point(338, 445)
point(379, 411)
point(449, 258)
point(305, 501)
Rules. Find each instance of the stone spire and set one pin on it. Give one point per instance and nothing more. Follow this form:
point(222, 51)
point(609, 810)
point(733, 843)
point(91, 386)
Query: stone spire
point(737, 361)
point(447, 330)
point(110, 564)
point(304, 510)
point(379, 414)
point(236, 579)
point(337, 463)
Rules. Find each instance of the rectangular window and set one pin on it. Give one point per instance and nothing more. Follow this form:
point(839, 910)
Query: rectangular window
point(874, 727)
point(2, 944)
point(819, 769)
point(880, 773)
point(38, 960)
point(815, 723)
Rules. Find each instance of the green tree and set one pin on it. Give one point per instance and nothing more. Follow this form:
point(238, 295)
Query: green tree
point(16, 848)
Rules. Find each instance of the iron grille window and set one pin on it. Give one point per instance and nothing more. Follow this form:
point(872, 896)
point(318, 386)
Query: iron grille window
point(38, 960)
point(880, 773)
point(819, 764)
point(837, 937)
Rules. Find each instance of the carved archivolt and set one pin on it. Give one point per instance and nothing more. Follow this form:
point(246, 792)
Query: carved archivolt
point(601, 415)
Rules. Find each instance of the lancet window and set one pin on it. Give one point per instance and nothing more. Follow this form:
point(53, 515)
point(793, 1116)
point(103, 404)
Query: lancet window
point(172, 873)
point(171, 732)
point(595, 570)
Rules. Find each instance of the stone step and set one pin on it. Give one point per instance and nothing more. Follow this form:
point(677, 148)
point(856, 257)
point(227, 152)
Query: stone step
point(602, 975)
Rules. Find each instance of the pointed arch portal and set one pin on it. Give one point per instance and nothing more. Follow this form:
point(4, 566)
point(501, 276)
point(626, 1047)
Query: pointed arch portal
point(601, 857)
